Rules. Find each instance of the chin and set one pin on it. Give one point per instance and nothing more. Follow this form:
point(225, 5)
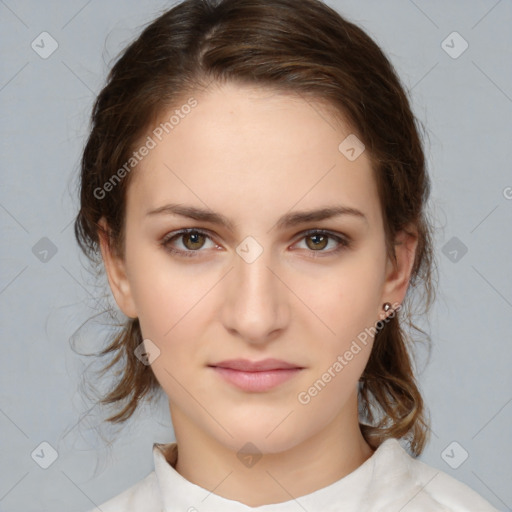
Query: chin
point(275, 439)
point(257, 443)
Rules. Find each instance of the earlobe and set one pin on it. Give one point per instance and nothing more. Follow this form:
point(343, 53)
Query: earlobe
point(399, 272)
point(116, 273)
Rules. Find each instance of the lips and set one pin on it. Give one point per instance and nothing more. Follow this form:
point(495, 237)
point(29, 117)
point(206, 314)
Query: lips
point(256, 376)
point(244, 365)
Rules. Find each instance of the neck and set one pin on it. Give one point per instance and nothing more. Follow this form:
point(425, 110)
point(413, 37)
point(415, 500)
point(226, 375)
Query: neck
point(320, 460)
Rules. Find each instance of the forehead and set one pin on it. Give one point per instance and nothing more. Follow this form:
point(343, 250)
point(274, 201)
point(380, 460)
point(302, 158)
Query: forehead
point(252, 147)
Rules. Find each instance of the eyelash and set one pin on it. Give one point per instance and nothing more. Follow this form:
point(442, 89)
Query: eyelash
point(343, 241)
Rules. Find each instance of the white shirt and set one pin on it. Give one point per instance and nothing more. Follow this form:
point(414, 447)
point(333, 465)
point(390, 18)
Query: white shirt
point(389, 481)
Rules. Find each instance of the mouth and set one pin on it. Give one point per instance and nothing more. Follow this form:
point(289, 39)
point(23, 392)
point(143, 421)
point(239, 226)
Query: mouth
point(256, 376)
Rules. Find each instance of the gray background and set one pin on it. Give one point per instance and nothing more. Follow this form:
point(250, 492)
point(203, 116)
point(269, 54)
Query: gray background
point(466, 103)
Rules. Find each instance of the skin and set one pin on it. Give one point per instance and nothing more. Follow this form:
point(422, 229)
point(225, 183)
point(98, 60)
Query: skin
point(254, 155)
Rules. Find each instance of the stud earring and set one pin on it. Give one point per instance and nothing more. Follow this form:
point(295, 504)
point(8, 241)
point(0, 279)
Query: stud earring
point(386, 307)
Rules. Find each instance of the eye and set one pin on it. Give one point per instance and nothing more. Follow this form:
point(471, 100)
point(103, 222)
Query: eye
point(318, 239)
point(193, 240)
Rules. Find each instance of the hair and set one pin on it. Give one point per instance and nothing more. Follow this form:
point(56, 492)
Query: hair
point(303, 48)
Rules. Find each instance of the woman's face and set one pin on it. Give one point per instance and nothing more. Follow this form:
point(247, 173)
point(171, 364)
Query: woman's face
point(258, 173)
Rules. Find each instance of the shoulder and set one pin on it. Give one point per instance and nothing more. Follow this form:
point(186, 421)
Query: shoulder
point(143, 495)
point(426, 488)
point(450, 493)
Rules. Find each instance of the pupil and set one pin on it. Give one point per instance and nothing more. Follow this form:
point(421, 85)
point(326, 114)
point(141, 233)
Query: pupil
point(194, 239)
point(318, 241)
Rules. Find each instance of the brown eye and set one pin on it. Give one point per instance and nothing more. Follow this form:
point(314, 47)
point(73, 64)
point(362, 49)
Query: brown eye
point(188, 242)
point(317, 242)
point(321, 243)
point(193, 240)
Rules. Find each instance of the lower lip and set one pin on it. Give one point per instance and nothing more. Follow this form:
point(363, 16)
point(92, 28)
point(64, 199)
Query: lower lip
point(256, 381)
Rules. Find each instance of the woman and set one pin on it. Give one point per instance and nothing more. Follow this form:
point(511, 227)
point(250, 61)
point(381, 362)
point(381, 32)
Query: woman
point(255, 182)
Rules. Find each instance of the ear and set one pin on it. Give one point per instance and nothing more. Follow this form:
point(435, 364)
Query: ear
point(116, 273)
point(398, 273)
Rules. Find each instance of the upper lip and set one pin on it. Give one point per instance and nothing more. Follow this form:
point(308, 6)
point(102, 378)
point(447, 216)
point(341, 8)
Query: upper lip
point(255, 366)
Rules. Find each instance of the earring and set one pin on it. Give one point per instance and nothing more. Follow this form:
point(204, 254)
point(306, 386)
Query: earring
point(386, 307)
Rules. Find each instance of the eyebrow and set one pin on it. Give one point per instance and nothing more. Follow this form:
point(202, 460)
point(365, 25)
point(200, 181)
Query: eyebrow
point(288, 220)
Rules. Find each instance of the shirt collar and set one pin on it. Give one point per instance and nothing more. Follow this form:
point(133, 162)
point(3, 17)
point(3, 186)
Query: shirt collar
point(383, 474)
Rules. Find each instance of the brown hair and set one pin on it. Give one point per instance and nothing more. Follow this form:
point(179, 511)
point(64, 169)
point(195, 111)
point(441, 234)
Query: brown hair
point(303, 48)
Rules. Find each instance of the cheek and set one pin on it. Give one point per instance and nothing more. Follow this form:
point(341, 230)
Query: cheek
point(349, 299)
point(164, 292)
point(173, 304)
point(349, 307)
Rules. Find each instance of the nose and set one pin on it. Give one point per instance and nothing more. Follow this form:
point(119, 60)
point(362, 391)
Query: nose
point(255, 307)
